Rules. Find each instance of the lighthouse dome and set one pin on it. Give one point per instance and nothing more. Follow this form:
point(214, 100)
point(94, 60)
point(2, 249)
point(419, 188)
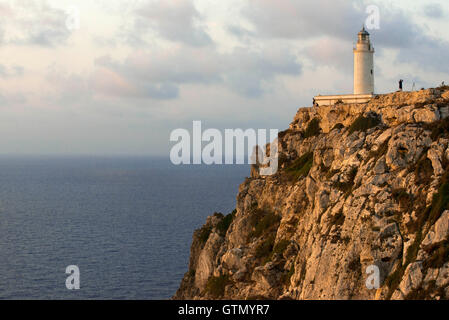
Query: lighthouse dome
point(363, 32)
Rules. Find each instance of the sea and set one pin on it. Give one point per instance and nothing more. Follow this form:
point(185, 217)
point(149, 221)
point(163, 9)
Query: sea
point(126, 223)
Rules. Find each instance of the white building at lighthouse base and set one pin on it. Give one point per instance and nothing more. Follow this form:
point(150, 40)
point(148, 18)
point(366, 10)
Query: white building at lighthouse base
point(342, 98)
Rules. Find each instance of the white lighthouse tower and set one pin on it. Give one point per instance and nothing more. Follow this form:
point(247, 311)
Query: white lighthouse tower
point(363, 64)
point(363, 76)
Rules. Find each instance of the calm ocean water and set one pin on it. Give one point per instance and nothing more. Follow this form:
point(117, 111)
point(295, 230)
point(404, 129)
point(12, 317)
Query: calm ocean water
point(127, 223)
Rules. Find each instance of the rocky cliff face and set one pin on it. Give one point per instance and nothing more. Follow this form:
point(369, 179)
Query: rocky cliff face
point(358, 186)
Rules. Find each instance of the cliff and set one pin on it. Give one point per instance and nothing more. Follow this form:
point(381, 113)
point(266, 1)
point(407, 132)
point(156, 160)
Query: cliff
point(357, 186)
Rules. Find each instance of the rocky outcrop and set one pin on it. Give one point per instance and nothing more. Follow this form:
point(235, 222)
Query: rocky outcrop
point(360, 187)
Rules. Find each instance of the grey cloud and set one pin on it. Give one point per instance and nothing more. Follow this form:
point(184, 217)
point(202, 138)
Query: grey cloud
point(37, 23)
point(173, 20)
point(160, 75)
point(8, 99)
point(240, 32)
point(434, 10)
point(6, 72)
point(428, 53)
point(331, 52)
point(338, 19)
point(247, 72)
point(304, 19)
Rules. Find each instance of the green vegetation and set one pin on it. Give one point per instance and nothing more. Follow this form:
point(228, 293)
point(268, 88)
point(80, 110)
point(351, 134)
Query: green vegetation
point(313, 129)
point(300, 167)
point(224, 224)
point(204, 234)
point(438, 128)
point(440, 252)
point(281, 246)
point(265, 249)
point(364, 123)
point(440, 201)
point(216, 285)
point(264, 221)
point(286, 277)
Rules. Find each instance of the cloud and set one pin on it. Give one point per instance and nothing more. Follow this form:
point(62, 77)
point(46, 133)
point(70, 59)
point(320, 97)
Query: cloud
point(331, 52)
point(12, 99)
point(427, 53)
point(248, 72)
point(176, 20)
point(33, 23)
point(160, 74)
point(434, 10)
point(7, 72)
point(304, 19)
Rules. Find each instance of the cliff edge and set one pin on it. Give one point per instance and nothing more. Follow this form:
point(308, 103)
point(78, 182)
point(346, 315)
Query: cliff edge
point(359, 186)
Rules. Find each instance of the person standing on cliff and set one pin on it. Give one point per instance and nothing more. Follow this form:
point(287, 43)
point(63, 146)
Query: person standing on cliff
point(400, 84)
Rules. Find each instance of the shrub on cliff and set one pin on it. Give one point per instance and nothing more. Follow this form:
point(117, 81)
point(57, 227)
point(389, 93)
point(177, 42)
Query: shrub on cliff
point(264, 221)
point(440, 201)
point(281, 246)
point(224, 224)
point(265, 249)
point(300, 167)
point(438, 128)
point(216, 286)
point(364, 123)
point(313, 129)
point(204, 234)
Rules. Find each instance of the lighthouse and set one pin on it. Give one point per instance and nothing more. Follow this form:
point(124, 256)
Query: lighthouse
point(363, 76)
point(363, 64)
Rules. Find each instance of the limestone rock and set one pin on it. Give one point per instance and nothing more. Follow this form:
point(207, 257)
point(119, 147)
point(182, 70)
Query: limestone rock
point(372, 196)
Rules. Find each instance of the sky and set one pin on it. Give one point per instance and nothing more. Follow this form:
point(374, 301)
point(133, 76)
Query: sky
point(133, 71)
